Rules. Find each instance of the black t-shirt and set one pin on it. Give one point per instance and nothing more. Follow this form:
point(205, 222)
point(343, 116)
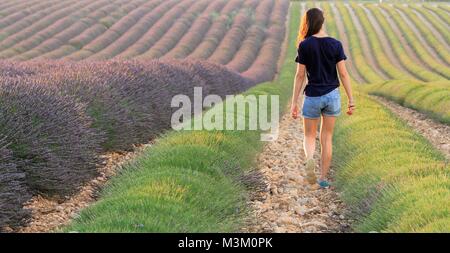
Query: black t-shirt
point(320, 56)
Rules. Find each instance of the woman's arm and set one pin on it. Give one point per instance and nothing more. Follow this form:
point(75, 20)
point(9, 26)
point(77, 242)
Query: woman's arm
point(345, 79)
point(299, 86)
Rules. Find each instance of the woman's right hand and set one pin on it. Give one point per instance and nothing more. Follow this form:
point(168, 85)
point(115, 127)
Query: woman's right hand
point(294, 110)
point(351, 107)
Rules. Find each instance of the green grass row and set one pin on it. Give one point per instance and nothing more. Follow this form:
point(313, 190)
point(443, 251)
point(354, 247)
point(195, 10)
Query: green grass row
point(375, 45)
point(443, 15)
point(189, 181)
point(437, 23)
point(432, 98)
point(425, 32)
point(400, 52)
point(415, 43)
point(391, 177)
point(445, 7)
point(355, 48)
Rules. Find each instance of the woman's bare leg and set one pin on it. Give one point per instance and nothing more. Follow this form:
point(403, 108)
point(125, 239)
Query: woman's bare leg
point(309, 145)
point(309, 142)
point(326, 143)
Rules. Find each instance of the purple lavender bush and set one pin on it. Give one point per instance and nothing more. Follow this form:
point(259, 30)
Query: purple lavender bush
point(13, 190)
point(49, 135)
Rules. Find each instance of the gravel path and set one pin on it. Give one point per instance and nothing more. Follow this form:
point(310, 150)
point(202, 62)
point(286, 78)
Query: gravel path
point(438, 134)
point(290, 204)
point(343, 37)
point(365, 45)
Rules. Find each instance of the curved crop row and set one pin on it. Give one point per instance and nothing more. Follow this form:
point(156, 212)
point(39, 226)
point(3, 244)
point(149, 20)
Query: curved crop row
point(383, 62)
point(408, 48)
point(217, 31)
point(418, 47)
point(156, 31)
point(265, 66)
point(236, 34)
point(9, 14)
point(228, 32)
point(255, 36)
point(420, 39)
point(24, 11)
point(355, 49)
point(176, 31)
point(248, 50)
point(7, 44)
point(434, 37)
point(17, 27)
point(50, 31)
point(78, 42)
point(135, 32)
point(7, 4)
point(390, 48)
point(436, 23)
point(443, 15)
point(400, 52)
point(197, 32)
point(115, 31)
point(72, 31)
point(364, 43)
point(445, 8)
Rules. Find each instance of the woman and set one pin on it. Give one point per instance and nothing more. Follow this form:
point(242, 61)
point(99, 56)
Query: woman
point(321, 58)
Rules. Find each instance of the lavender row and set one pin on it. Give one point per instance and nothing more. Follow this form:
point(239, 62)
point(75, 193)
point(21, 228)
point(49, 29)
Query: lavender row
point(58, 117)
point(151, 36)
point(265, 66)
point(176, 31)
point(197, 32)
point(255, 37)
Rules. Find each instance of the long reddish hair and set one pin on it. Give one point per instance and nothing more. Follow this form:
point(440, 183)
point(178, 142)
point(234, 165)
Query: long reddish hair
point(310, 24)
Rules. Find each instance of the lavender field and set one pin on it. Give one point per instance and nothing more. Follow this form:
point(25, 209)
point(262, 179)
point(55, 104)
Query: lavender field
point(81, 79)
point(87, 141)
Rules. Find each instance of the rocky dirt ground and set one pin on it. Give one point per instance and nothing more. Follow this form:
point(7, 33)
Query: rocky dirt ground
point(50, 214)
point(290, 204)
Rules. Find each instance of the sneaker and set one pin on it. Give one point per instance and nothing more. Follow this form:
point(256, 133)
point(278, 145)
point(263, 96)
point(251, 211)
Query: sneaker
point(323, 184)
point(310, 175)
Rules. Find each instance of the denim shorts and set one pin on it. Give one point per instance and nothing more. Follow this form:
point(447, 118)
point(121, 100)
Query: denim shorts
point(327, 105)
